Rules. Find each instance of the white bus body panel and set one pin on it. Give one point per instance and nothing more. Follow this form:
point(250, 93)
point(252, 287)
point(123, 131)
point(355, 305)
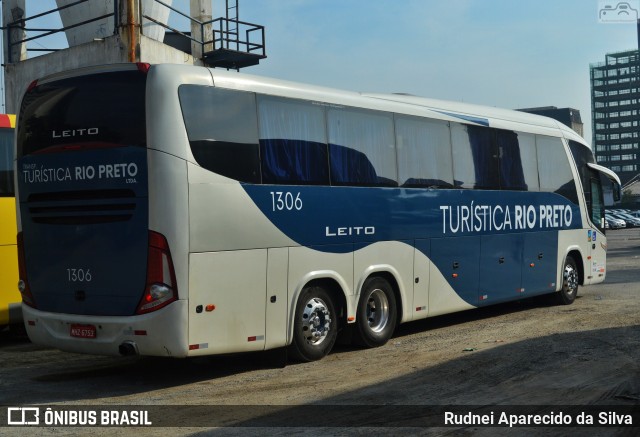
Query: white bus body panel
point(217, 203)
point(227, 301)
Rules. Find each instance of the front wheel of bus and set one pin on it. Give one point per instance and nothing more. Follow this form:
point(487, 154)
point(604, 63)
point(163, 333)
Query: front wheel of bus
point(570, 281)
point(376, 316)
point(315, 327)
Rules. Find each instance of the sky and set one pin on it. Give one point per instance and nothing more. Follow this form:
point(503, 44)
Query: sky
point(502, 53)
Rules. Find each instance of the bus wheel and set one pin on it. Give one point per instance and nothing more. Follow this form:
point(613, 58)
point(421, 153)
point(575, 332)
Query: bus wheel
point(377, 313)
point(315, 327)
point(570, 281)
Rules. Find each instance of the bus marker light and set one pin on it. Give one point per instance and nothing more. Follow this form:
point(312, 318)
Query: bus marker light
point(421, 308)
point(532, 265)
point(143, 67)
point(455, 275)
point(351, 319)
point(31, 323)
point(210, 308)
point(32, 85)
point(140, 332)
point(193, 347)
point(484, 297)
point(589, 257)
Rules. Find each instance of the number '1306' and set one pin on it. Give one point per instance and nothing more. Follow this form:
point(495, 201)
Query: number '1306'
point(79, 275)
point(285, 201)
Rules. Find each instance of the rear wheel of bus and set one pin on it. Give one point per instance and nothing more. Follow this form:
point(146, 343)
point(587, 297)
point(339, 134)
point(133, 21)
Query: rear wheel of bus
point(377, 313)
point(315, 326)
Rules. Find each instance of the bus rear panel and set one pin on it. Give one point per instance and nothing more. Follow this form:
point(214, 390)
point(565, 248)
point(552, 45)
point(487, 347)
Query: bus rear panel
point(90, 266)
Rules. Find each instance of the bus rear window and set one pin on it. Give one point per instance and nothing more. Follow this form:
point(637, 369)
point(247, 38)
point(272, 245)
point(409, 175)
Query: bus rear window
point(105, 109)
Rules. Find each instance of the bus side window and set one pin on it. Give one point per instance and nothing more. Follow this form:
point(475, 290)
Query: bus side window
point(511, 169)
point(424, 152)
point(361, 147)
point(6, 163)
point(222, 128)
point(555, 175)
point(529, 159)
point(475, 157)
point(293, 144)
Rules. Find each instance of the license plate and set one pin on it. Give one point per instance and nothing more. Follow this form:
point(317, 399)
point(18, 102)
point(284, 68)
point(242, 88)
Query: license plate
point(83, 331)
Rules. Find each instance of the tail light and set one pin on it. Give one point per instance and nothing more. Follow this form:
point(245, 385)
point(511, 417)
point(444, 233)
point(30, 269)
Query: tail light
point(161, 288)
point(23, 283)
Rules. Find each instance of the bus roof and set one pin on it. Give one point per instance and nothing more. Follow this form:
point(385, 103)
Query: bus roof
point(401, 103)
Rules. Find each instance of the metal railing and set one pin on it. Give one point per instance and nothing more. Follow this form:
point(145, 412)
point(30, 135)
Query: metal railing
point(21, 25)
point(224, 36)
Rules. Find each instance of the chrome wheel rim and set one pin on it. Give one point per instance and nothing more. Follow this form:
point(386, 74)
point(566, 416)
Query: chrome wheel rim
point(316, 321)
point(570, 284)
point(377, 310)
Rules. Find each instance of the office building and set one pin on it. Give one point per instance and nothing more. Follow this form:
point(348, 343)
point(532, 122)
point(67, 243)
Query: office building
point(615, 107)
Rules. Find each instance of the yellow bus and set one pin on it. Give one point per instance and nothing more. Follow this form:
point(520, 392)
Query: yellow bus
point(10, 310)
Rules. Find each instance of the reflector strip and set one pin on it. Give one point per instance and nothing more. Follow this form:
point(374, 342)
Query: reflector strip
point(256, 338)
point(484, 297)
point(140, 332)
point(421, 308)
point(198, 346)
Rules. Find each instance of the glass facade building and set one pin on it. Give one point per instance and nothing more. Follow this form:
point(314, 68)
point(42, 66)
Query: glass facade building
point(615, 107)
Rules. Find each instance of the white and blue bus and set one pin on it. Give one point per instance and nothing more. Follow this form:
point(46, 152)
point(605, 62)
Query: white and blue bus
point(181, 211)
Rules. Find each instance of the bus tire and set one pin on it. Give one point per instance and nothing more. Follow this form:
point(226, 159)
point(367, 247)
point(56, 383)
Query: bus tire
point(315, 326)
point(376, 314)
point(570, 281)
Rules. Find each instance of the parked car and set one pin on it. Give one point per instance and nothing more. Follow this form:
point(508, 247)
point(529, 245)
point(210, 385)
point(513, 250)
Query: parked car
point(630, 220)
point(617, 211)
point(614, 223)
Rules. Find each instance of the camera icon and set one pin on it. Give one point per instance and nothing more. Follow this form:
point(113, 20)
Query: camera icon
point(618, 12)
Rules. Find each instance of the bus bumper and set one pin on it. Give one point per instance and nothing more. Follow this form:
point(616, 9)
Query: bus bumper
point(160, 333)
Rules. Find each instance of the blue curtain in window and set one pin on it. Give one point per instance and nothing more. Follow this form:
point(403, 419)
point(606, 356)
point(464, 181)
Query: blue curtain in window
point(511, 173)
point(485, 158)
point(293, 162)
point(350, 166)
